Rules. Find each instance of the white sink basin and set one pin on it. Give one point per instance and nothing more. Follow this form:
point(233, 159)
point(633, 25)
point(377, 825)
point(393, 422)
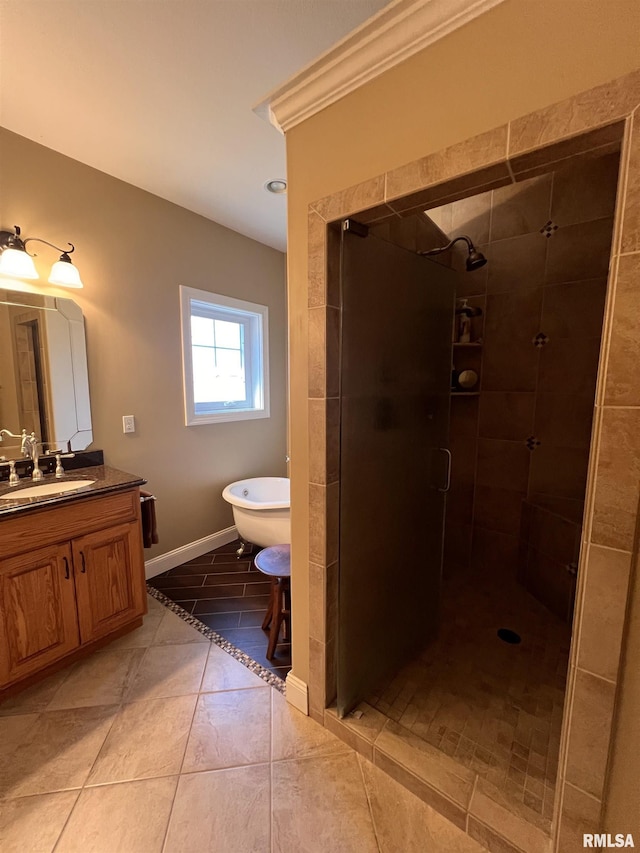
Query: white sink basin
point(46, 489)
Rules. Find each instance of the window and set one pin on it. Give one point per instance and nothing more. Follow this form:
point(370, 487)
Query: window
point(224, 354)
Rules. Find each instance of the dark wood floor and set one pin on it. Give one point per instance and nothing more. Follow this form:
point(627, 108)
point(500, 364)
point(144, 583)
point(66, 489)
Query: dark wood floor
point(230, 596)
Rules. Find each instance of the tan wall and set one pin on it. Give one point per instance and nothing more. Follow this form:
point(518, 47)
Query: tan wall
point(519, 57)
point(133, 251)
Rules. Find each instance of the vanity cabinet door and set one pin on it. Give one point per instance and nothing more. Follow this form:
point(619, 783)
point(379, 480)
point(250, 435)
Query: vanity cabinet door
point(38, 619)
point(110, 584)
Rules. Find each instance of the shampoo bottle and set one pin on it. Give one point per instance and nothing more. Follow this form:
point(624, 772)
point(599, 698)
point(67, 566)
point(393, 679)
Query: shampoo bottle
point(464, 334)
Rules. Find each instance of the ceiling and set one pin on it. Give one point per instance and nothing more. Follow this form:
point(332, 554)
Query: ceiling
point(159, 93)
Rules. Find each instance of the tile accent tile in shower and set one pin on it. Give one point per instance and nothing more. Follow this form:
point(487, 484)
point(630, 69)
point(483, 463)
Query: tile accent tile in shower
point(548, 229)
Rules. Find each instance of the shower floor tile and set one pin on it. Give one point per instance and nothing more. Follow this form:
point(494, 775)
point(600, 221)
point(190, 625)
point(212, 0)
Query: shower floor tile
point(230, 596)
point(494, 707)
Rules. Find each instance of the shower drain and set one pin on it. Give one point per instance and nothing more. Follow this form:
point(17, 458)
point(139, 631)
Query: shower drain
point(509, 636)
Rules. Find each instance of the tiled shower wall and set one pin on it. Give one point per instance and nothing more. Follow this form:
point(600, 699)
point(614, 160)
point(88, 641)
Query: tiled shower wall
point(542, 293)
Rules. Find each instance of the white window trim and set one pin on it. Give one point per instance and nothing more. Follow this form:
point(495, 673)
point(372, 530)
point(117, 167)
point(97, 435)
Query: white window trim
point(260, 357)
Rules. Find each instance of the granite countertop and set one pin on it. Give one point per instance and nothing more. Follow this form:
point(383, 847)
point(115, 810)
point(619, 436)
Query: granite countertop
point(106, 480)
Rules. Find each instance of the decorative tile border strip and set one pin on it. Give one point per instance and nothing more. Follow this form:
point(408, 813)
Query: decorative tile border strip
point(262, 672)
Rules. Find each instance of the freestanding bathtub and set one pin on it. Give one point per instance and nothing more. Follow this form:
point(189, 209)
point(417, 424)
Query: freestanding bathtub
point(261, 510)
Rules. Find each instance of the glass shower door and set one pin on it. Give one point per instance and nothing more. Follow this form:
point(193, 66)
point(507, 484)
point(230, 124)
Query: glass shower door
point(397, 314)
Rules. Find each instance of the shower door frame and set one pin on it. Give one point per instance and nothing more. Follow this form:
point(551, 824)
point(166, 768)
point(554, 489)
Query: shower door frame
point(597, 121)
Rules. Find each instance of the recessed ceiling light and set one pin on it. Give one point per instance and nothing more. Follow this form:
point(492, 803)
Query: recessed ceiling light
point(277, 186)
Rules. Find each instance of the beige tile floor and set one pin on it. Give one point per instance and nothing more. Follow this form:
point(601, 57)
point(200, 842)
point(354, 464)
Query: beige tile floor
point(162, 742)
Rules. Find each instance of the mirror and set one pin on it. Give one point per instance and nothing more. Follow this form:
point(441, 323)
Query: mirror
point(44, 381)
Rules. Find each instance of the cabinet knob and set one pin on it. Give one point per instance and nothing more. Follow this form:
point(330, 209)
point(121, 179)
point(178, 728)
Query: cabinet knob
point(84, 565)
point(67, 573)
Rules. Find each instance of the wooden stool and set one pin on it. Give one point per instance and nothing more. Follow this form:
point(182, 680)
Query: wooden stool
point(276, 563)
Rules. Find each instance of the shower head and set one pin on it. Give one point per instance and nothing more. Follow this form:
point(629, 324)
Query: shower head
point(475, 259)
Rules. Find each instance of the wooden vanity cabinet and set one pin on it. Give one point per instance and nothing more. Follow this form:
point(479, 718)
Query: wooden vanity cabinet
point(110, 589)
point(38, 618)
point(85, 582)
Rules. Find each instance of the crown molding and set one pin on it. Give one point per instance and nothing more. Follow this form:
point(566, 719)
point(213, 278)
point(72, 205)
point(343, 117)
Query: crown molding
point(398, 31)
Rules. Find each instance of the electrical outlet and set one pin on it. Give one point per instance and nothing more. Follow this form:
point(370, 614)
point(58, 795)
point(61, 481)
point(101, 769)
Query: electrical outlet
point(128, 423)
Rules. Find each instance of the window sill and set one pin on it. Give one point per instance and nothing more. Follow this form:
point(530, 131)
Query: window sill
point(228, 415)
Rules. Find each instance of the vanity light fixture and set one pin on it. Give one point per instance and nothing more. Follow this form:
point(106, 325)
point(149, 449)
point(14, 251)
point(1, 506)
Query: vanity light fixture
point(16, 262)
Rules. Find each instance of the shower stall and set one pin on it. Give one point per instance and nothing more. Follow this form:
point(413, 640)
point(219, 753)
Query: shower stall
point(460, 506)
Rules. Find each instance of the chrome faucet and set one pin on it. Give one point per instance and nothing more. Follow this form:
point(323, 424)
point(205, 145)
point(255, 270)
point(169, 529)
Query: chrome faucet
point(13, 476)
point(14, 480)
point(29, 447)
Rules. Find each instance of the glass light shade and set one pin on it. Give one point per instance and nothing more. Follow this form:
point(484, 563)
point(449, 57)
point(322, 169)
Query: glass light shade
point(17, 264)
point(64, 274)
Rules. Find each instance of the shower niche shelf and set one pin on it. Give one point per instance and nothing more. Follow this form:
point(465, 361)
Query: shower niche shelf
point(466, 356)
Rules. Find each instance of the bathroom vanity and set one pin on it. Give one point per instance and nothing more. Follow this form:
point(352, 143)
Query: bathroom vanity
point(71, 572)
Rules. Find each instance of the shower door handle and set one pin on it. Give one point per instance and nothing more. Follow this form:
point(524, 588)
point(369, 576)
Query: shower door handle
point(448, 481)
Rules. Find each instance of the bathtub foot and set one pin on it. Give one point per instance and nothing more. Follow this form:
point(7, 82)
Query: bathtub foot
point(243, 547)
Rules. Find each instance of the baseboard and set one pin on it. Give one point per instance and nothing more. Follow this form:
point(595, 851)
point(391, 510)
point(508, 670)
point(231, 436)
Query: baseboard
point(297, 693)
point(187, 552)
